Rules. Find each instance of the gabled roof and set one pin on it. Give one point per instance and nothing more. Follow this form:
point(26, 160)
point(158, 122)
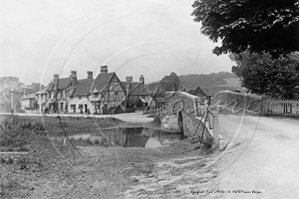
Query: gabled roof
point(135, 88)
point(31, 96)
point(199, 92)
point(63, 83)
point(83, 87)
point(44, 90)
point(102, 80)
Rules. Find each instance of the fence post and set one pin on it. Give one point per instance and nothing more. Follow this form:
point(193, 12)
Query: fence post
point(265, 105)
point(216, 128)
point(195, 108)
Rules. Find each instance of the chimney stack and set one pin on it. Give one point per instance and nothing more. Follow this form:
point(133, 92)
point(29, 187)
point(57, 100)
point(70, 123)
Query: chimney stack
point(103, 69)
point(55, 81)
point(129, 79)
point(90, 75)
point(142, 79)
point(73, 77)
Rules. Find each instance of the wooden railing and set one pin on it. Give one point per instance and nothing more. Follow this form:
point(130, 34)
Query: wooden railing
point(281, 107)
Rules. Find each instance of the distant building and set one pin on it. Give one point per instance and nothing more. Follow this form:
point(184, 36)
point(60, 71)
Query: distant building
point(41, 98)
point(26, 90)
point(209, 92)
point(28, 102)
point(198, 92)
point(136, 93)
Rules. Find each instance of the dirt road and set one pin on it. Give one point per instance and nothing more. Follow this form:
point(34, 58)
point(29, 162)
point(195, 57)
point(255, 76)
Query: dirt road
point(263, 157)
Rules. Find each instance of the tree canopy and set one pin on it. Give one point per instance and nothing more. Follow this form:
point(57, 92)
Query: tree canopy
point(9, 82)
point(212, 79)
point(262, 74)
point(170, 82)
point(254, 25)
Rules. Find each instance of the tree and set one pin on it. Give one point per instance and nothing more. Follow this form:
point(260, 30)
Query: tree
point(7, 85)
point(254, 25)
point(9, 82)
point(170, 82)
point(262, 74)
point(37, 86)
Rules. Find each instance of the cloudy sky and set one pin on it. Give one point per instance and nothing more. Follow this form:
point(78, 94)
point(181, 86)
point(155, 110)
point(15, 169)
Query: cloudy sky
point(39, 38)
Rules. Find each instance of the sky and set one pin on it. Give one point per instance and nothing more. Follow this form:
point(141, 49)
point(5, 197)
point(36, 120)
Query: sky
point(153, 38)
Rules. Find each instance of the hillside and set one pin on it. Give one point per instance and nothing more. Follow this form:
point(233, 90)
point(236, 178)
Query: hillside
point(213, 79)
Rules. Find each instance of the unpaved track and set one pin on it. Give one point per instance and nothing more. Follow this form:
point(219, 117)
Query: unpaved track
point(264, 157)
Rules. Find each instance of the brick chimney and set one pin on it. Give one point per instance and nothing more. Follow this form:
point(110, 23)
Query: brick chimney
point(129, 79)
point(103, 69)
point(142, 79)
point(55, 81)
point(73, 77)
point(90, 75)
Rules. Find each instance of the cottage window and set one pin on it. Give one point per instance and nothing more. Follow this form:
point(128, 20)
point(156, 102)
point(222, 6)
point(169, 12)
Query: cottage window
point(95, 94)
point(71, 97)
point(61, 94)
point(80, 97)
point(73, 108)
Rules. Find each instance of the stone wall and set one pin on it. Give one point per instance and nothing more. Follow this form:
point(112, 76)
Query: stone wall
point(185, 104)
point(234, 103)
point(193, 127)
point(179, 100)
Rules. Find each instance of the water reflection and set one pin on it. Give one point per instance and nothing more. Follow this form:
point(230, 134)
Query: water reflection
point(125, 137)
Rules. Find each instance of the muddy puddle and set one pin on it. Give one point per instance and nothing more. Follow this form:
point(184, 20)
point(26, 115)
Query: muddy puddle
point(124, 137)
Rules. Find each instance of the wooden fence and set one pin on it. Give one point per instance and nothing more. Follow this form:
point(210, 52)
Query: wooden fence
point(281, 107)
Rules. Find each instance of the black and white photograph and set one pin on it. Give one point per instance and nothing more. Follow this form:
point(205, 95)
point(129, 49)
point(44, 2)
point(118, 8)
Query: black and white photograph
point(130, 99)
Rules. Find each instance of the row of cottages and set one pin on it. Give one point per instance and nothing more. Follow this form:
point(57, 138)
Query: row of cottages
point(99, 95)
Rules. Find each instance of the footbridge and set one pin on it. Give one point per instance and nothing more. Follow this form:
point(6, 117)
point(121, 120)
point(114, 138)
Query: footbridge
point(193, 116)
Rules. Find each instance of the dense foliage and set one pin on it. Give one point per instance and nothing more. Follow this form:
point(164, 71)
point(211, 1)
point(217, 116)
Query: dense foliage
point(254, 25)
point(262, 74)
point(170, 82)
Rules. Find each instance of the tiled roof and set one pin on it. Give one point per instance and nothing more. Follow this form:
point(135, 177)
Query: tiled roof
point(101, 80)
point(64, 83)
point(83, 87)
point(44, 90)
point(135, 88)
point(31, 96)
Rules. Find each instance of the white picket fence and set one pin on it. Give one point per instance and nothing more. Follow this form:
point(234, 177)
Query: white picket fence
point(281, 107)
